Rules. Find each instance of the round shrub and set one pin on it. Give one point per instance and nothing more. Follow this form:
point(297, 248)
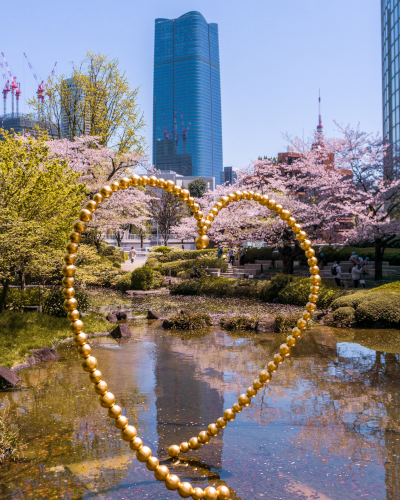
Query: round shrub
point(272, 289)
point(383, 307)
point(157, 279)
point(124, 282)
point(349, 300)
point(54, 303)
point(162, 249)
point(108, 250)
point(343, 317)
point(117, 265)
point(142, 278)
point(152, 262)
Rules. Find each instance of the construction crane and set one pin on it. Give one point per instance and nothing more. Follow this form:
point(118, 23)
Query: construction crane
point(6, 88)
point(48, 91)
point(40, 90)
point(14, 85)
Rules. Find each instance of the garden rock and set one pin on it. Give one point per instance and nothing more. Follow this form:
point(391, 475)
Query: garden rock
point(154, 315)
point(120, 314)
point(266, 324)
point(276, 300)
point(83, 315)
point(8, 378)
point(45, 354)
point(122, 331)
point(112, 318)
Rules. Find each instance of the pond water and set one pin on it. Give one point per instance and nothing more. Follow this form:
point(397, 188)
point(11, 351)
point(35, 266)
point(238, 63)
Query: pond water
point(326, 427)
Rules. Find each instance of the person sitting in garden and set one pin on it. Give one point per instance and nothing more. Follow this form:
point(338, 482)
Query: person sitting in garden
point(355, 275)
point(353, 257)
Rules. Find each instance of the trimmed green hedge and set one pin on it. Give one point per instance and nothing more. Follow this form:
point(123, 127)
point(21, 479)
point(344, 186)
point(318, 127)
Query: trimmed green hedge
point(187, 255)
point(186, 265)
point(54, 303)
point(220, 287)
point(162, 249)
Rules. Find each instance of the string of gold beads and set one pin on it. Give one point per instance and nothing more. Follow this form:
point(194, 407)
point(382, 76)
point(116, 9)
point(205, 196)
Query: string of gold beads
point(89, 362)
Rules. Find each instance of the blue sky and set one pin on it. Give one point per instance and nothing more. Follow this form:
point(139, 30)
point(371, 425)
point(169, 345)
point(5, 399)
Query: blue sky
point(274, 58)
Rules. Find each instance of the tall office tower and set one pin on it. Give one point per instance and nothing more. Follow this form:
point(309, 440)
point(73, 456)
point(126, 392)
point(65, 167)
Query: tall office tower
point(187, 127)
point(228, 176)
point(75, 117)
point(390, 16)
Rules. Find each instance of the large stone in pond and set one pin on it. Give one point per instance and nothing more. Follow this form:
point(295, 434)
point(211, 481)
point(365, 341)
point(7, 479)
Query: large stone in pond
point(8, 378)
point(45, 354)
point(122, 331)
point(266, 324)
point(154, 315)
point(112, 318)
point(120, 314)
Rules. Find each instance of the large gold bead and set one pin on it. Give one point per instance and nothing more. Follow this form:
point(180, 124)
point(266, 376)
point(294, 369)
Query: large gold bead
point(202, 230)
point(306, 315)
point(218, 206)
point(195, 208)
point(284, 350)
point(278, 359)
point(68, 282)
point(85, 215)
point(284, 215)
point(231, 197)
point(310, 307)
point(184, 447)
point(263, 200)
point(301, 236)
point(245, 195)
point(72, 247)
point(313, 289)
point(107, 400)
point(152, 463)
point(97, 198)
point(310, 253)
point(257, 384)
point(203, 437)
point(265, 376)
point(169, 186)
point(143, 454)
point(174, 450)
point(301, 323)
point(271, 204)
point(106, 191)
point(244, 400)
point(124, 183)
point(68, 270)
point(121, 422)
point(115, 411)
point(202, 241)
point(101, 388)
point(290, 341)
point(75, 237)
point(223, 492)
point(194, 443)
point(134, 180)
point(313, 261)
point(114, 186)
point(229, 415)
point(89, 364)
point(128, 433)
point(69, 258)
point(161, 183)
point(291, 221)
point(207, 224)
point(76, 326)
point(313, 298)
point(197, 493)
point(256, 197)
point(80, 339)
point(236, 408)
point(68, 293)
point(316, 279)
point(221, 423)
point(185, 490)
point(152, 181)
point(238, 195)
point(212, 430)
point(306, 245)
point(79, 226)
point(144, 180)
point(278, 209)
point(172, 482)
point(314, 270)
point(251, 392)
point(70, 304)
point(210, 493)
point(224, 200)
point(135, 444)
point(271, 366)
point(296, 332)
point(161, 473)
point(84, 350)
point(184, 195)
point(190, 201)
point(176, 190)
point(198, 215)
point(95, 377)
point(296, 228)
point(210, 217)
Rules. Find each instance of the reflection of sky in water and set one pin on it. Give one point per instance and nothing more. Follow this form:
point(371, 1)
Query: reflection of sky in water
point(327, 426)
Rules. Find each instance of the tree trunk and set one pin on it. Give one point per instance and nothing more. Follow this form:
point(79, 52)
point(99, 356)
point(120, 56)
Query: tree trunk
point(118, 237)
point(141, 240)
point(379, 250)
point(6, 285)
point(289, 254)
point(22, 278)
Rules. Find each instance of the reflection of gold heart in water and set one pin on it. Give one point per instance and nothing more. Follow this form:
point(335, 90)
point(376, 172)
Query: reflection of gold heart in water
point(89, 364)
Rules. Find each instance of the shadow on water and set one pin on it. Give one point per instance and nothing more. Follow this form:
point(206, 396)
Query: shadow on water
point(326, 427)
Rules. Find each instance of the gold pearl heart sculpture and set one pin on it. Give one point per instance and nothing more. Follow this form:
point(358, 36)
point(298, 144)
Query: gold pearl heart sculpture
point(89, 364)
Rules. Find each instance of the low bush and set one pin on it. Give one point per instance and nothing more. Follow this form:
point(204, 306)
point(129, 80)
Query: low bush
point(162, 249)
point(253, 254)
point(124, 282)
point(380, 307)
point(17, 299)
point(286, 321)
point(275, 286)
point(186, 265)
point(54, 303)
point(239, 322)
point(186, 321)
point(157, 279)
point(117, 265)
point(220, 287)
point(152, 262)
point(187, 255)
point(352, 300)
point(342, 317)
point(142, 278)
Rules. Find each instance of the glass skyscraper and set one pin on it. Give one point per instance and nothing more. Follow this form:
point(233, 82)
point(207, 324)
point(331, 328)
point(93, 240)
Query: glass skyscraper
point(390, 16)
point(187, 125)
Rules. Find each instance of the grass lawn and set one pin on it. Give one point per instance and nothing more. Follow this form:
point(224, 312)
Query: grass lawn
point(20, 332)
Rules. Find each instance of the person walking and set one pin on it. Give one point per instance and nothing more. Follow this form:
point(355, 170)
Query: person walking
point(231, 255)
point(337, 273)
point(220, 251)
point(355, 275)
point(132, 255)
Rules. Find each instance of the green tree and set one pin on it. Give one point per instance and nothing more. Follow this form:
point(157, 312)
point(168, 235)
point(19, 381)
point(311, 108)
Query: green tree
point(39, 199)
point(94, 100)
point(197, 188)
